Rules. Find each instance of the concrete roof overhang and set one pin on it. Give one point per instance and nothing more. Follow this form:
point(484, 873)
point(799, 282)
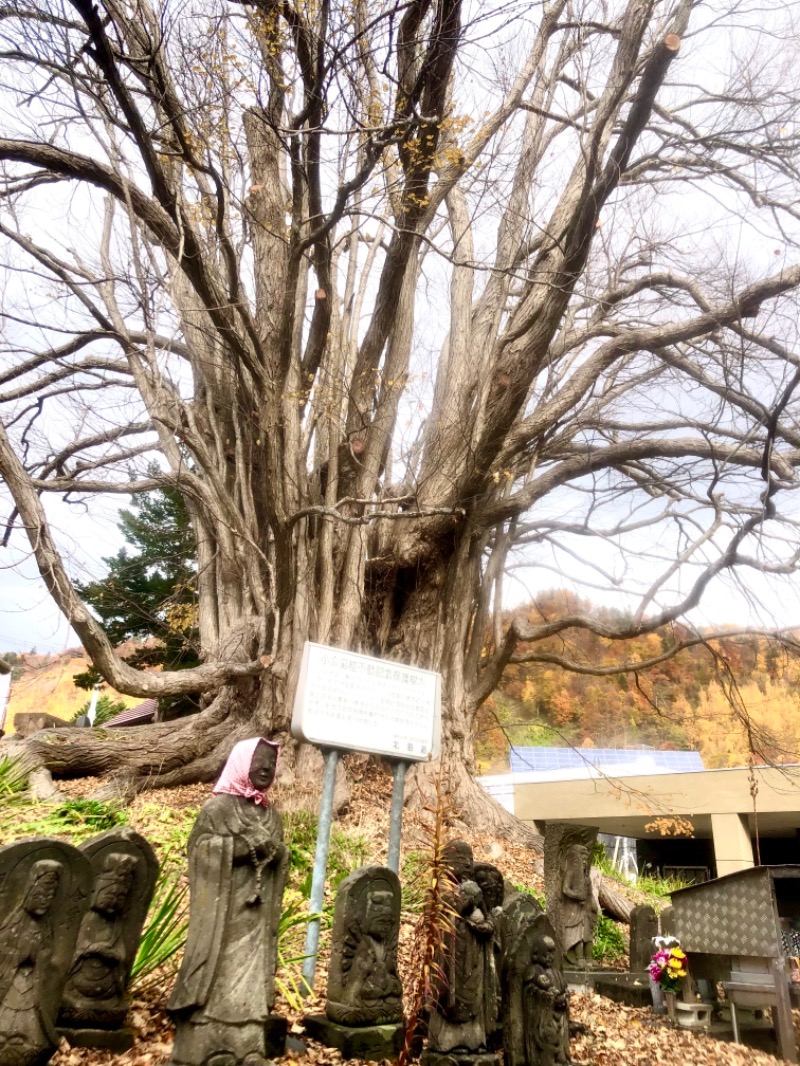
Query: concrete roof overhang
point(626, 806)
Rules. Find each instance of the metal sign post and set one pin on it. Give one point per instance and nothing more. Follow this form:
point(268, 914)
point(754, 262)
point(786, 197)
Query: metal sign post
point(320, 867)
point(396, 816)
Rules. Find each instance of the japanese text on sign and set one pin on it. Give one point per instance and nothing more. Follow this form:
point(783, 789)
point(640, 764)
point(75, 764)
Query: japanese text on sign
point(360, 703)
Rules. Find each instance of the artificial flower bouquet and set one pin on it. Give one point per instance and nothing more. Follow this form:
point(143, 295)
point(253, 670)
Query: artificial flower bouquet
point(668, 965)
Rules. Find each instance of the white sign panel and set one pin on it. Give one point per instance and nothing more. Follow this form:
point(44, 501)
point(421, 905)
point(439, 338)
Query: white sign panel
point(360, 703)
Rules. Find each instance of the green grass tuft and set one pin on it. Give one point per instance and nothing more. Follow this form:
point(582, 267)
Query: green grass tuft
point(609, 941)
point(164, 934)
point(13, 776)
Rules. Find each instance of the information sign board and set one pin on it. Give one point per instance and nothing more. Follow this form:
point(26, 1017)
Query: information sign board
point(360, 703)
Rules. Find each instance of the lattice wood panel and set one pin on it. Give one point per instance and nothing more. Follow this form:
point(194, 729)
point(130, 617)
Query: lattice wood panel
point(734, 916)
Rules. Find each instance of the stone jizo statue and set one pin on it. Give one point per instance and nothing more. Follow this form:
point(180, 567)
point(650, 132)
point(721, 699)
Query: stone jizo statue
point(520, 929)
point(576, 888)
point(125, 870)
point(546, 1005)
point(492, 885)
point(225, 991)
point(571, 903)
point(363, 986)
point(462, 1003)
point(44, 890)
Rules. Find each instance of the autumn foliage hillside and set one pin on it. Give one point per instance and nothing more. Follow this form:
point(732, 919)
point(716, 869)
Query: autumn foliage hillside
point(45, 683)
point(726, 697)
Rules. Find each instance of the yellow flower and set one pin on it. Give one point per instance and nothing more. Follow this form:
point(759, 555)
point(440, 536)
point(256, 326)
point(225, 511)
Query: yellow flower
point(678, 954)
point(674, 964)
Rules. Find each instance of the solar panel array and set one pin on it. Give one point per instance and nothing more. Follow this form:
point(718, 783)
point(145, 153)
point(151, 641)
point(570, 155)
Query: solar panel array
point(529, 759)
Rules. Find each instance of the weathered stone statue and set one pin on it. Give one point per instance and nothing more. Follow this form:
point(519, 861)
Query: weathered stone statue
point(546, 1003)
point(643, 928)
point(364, 1010)
point(517, 956)
point(458, 861)
point(225, 991)
point(571, 905)
point(491, 882)
point(492, 885)
point(462, 1003)
point(363, 986)
point(518, 909)
point(44, 891)
point(125, 869)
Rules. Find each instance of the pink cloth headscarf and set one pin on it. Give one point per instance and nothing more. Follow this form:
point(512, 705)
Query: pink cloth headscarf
point(235, 777)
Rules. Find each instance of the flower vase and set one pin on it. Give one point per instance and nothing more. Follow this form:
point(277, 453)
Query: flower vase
point(671, 999)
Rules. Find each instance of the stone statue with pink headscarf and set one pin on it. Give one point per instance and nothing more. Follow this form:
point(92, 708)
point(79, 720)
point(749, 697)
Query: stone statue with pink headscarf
point(225, 992)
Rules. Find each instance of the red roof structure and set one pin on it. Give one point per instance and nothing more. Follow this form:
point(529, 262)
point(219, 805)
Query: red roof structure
point(141, 714)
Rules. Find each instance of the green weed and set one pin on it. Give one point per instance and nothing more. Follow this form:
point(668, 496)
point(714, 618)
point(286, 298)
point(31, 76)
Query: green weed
point(168, 828)
point(75, 820)
point(650, 884)
point(164, 934)
point(537, 895)
point(659, 887)
point(609, 941)
point(347, 852)
point(13, 776)
point(292, 927)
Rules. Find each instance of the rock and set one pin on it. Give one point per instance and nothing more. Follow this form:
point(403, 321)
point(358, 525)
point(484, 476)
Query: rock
point(44, 789)
point(632, 989)
point(644, 926)
point(118, 1040)
point(29, 722)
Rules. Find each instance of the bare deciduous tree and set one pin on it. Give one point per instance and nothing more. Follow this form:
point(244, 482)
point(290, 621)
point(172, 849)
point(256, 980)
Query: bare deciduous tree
point(400, 293)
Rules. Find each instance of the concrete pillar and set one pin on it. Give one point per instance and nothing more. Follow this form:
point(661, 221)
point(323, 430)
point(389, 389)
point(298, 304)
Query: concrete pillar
point(732, 848)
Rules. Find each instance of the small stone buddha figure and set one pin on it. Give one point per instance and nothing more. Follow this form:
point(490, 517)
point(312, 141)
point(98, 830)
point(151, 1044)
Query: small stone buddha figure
point(363, 986)
point(546, 1003)
point(45, 887)
point(462, 1004)
point(27, 1034)
point(492, 885)
point(95, 991)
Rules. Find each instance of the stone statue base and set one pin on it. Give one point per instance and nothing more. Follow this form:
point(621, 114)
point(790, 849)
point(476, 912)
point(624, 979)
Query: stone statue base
point(111, 1039)
point(370, 1042)
point(459, 1058)
point(583, 978)
point(632, 989)
point(228, 1045)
